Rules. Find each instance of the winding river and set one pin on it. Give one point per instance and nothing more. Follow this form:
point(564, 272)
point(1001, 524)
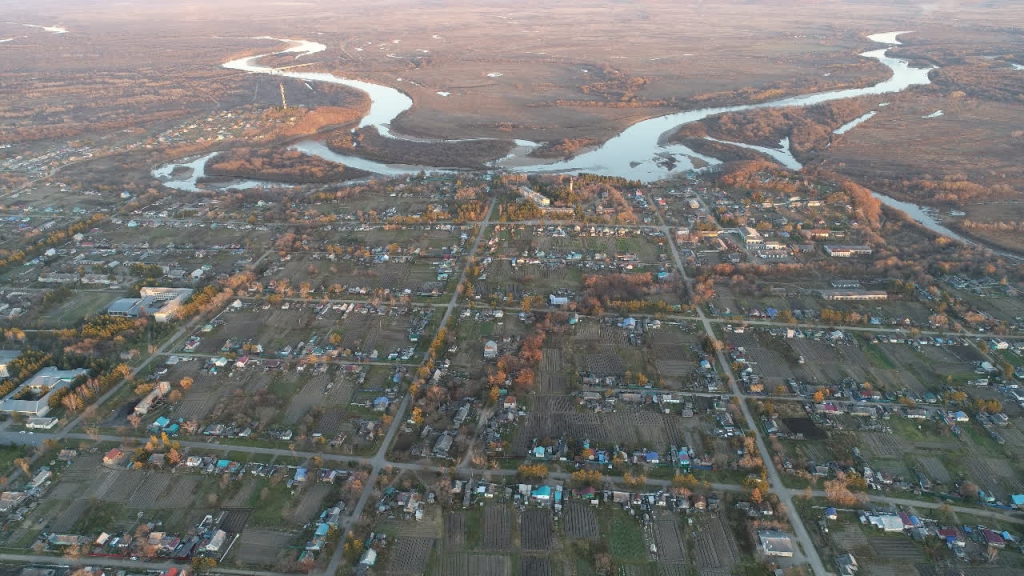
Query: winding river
point(640, 152)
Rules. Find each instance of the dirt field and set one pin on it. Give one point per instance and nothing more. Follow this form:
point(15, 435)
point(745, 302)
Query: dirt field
point(498, 528)
point(669, 539)
point(883, 445)
point(553, 416)
point(410, 555)
point(454, 530)
point(894, 549)
point(580, 522)
point(534, 566)
point(463, 564)
point(535, 529)
point(261, 547)
point(934, 469)
point(312, 502)
point(715, 547)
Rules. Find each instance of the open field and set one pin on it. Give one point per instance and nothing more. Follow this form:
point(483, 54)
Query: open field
point(261, 547)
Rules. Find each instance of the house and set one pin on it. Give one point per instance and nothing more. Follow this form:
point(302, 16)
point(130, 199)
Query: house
point(775, 543)
point(380, 403)
point(557, 300)
point(887, 522)
point(509, 403)
point(847, 565)
point(32, 396)
point(40, 478)
point(993, 538)
point(490, 350)
point(369, 558)
point(41, 423)
point(541, 494)
point(11, 500)
point(144, 405)
point(113, 457)
point(1017, 501)
point(443, 445)
point(216, 541)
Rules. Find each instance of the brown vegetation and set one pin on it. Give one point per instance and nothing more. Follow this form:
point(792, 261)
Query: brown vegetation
point(279, 165)
point(368, 143)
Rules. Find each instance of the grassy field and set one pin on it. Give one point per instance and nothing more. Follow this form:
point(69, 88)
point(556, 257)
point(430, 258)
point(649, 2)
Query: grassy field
point(625, 538)
point(80, 305)
point(8, 454)
point(271, 511)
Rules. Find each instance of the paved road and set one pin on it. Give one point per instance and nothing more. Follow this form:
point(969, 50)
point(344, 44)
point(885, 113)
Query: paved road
point(809, 552)
point(378, 461)
point(56, 561)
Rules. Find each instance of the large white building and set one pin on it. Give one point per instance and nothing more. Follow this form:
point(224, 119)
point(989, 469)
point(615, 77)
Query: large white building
point(33, 396)
point(160, 303)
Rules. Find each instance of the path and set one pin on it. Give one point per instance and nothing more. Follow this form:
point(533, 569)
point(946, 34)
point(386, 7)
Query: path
point(809, 552)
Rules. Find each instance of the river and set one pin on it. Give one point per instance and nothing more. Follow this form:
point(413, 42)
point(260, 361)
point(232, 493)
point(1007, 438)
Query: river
point(640, 152)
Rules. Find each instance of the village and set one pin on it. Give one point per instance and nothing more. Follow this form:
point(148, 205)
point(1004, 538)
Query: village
point(429, 376)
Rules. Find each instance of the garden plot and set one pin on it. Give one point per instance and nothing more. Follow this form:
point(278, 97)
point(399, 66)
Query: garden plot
point(552, 416)
point(311, 503)
point(943, 361)
point(821, 361)
point(881, 445)
point(313, 393)
point(992, 475)
point(580, 522)
point(463, 564)
point(552, 373)
point(895, 549)
point(152, 487)
point(243, 495)
point(669, 539)
point(455, 525)
point(69, 516)
point(933, 468)
point(673, 569)
point(234, 520)
point(262, 547)
point(332, 422)
point(273, 329)
point(850, 537)
point(503, 280)
point(498, 528)
point(120, 486)
point(555, 416)
point(534, 566)
point(535, 529)
point(715, 546)
point(368, 332)
point(410, 555)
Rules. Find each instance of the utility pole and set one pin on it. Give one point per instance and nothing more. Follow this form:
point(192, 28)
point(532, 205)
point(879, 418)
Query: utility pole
point(284, 103)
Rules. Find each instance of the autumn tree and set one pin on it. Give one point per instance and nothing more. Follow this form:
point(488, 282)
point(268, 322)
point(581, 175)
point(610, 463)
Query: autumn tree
point(532, 471)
